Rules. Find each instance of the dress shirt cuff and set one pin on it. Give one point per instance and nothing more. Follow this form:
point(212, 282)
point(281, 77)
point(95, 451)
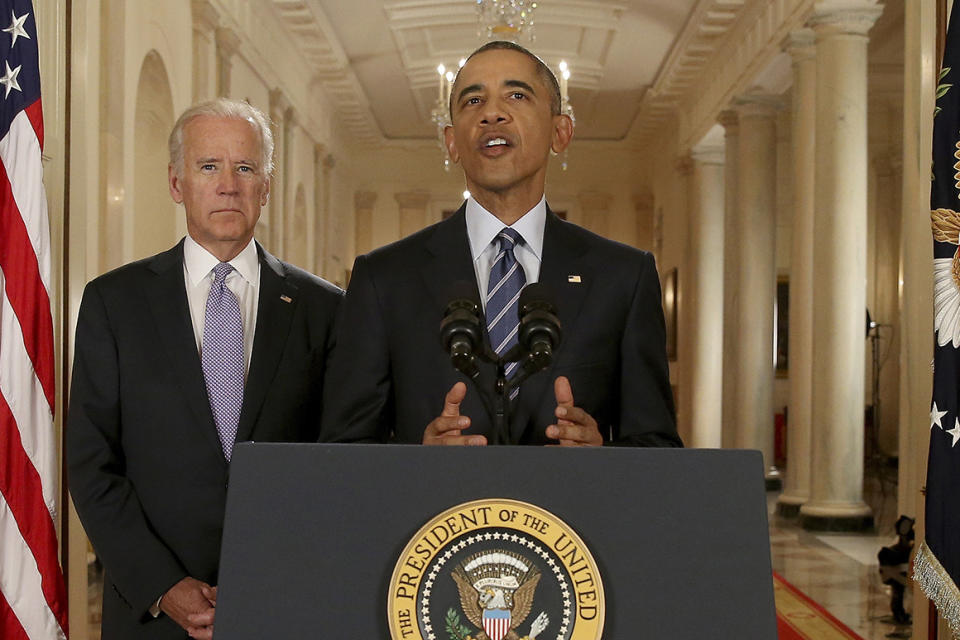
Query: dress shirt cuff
point(154, 609)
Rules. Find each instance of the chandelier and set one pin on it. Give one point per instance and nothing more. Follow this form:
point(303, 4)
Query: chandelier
point(505, 19)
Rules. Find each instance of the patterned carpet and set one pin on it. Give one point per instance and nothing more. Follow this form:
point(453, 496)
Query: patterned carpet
point(800, 618)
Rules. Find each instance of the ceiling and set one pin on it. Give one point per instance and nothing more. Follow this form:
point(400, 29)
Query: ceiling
point(632, 62)
point(378, 58)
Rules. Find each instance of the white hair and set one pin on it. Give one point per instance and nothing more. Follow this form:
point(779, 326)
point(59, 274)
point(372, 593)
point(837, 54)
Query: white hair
point(224, 108)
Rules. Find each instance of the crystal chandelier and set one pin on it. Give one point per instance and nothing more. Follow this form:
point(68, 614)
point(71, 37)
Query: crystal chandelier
point(505, 19)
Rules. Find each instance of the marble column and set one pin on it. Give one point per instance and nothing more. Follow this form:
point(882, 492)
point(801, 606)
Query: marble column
point(840, 269)
point(802, 49)
point(413, 211)
point(643, 207)
point(336, 240)
point(595, 208)
point(318, 249)
point(277, 203)
point(363, 202)
point(205, 19)
point(682, 367)
point(731, 145)
point(757, 277)
point(285, 180)
point(227, 44)
point(706, 257)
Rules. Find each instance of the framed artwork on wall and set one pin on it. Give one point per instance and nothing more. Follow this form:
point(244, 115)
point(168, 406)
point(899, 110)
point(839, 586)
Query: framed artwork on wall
point(782, 329)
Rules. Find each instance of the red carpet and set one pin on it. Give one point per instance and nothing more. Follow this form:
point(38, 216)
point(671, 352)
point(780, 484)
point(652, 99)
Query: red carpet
point(800, 618)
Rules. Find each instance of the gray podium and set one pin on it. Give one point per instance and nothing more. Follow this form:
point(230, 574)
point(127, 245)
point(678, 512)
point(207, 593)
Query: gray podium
point(313, 533)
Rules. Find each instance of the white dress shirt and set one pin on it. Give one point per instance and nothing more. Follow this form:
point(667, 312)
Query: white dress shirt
point(243, 281)
point(482, 229)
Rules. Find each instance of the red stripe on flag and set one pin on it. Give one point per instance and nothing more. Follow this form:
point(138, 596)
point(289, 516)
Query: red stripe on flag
point(10, 627)
point(35, 114)
point(25, 289)
point(20, 485)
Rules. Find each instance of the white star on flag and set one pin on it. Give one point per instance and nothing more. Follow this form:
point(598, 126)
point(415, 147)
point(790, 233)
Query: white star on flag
point(955, 432)
point(16, 28)
point(935, 416)
point(10, 80)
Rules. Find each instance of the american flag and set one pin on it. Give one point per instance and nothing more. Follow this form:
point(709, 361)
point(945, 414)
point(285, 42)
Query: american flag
point(937, 563)
point(32, 597)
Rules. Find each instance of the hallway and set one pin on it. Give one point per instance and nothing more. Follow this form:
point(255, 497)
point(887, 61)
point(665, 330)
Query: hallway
point(839, 571)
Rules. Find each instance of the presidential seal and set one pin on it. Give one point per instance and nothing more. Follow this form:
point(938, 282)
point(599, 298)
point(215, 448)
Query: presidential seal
point(496, 569)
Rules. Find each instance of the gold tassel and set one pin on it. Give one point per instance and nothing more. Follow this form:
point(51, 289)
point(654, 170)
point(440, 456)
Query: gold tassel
point(938, 586)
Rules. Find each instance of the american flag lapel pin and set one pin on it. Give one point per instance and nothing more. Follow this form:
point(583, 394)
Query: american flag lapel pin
point(287, 299)
point(574, 278)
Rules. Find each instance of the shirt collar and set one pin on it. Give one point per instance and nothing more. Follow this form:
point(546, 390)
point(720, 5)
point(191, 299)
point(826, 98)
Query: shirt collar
point(483, 227)
point(199, 262)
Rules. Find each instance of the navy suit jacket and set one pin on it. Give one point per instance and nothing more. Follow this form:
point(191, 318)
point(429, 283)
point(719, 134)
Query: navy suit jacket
point(146, 469)
point(389, 374)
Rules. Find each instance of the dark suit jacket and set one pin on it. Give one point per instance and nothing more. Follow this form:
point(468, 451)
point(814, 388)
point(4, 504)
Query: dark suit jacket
point(146, 470)
point(389, 374)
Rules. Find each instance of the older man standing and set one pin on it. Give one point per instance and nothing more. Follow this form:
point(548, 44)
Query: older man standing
point(390, 376)
point(178, 357)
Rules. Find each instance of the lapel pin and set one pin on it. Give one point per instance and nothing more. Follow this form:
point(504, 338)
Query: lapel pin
point(286, 298)
point(574, 279)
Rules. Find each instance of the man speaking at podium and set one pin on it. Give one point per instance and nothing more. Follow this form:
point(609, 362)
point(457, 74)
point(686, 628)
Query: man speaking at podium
point(390, 375)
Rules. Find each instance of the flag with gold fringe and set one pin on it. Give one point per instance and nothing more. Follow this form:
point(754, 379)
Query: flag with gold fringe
point(937, 563)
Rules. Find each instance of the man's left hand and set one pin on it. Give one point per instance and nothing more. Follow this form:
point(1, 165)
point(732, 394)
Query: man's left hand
point(575, 427)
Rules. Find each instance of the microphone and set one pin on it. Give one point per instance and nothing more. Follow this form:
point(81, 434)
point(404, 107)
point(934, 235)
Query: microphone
point(461, 331)
point(540, 332)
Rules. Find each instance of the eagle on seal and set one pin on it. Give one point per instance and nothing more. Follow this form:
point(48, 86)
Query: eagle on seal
point(496, 594)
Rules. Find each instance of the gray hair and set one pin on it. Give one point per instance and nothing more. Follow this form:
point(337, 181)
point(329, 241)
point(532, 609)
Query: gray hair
point(224, 108)
point(546, 74)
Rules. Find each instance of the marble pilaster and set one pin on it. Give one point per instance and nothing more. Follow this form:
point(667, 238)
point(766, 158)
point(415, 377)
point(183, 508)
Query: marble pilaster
point(227, 43)
point(413, 211)
point(363, 202)
point(595, 208)
point(643, 208)
point(205, 20)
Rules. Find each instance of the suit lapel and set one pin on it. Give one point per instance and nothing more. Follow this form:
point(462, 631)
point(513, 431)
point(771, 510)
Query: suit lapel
point(450, 259)
point(563, 260)
point(167, 297)
point(277, 302)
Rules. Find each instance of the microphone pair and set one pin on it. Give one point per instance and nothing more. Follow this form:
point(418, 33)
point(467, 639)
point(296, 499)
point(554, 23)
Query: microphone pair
point(461, 331)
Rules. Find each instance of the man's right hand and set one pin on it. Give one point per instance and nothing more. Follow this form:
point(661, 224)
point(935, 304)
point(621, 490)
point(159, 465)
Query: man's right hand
point(446, 428)
point(189, 604)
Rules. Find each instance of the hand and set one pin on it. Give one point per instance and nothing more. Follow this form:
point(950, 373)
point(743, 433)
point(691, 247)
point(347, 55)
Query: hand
point(575, 427)
point(446, 428)
point(190, 603)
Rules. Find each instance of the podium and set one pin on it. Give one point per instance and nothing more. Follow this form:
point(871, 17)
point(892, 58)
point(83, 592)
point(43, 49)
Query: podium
point(314, 532)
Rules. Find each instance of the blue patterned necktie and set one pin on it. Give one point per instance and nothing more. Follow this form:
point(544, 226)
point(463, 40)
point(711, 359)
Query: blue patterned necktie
point(221, 355)
point(503, 291)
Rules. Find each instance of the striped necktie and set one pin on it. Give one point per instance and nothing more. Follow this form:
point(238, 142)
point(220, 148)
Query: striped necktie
point(221, 355)
point(503, 291)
